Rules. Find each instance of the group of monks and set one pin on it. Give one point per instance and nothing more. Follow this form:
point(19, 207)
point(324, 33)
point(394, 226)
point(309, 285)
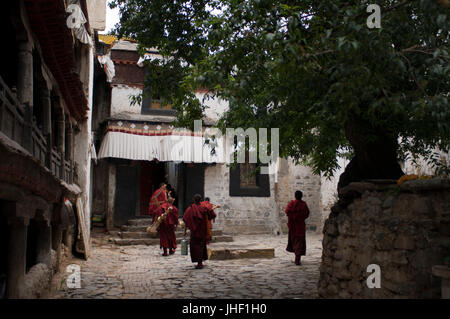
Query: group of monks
point(198, 217)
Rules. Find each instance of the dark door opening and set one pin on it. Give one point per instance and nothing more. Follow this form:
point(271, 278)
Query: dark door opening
point(126, 193)
point(151, 175)
point(192, 179)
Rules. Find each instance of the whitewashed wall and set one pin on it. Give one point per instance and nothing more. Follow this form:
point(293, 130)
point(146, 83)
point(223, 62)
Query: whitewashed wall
point(120, 99)
point(240, 215)
point(328, 188)
point(291, 178)
point(215, 106)
point(421, 167)
point(82, 149)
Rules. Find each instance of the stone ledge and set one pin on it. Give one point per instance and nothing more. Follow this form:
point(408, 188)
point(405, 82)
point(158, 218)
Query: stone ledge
point(155, 241)
point(432, 184)
point(226, 252)
point(358, 188)
point(441, 271)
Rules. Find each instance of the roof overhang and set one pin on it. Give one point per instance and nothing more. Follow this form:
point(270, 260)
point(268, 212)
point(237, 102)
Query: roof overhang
point(48, 22)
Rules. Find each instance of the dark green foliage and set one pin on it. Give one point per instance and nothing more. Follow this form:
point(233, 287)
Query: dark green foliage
point(312, 68)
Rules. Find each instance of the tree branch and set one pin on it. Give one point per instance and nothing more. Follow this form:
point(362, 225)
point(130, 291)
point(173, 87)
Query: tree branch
point(397, 6)
point(416, 48)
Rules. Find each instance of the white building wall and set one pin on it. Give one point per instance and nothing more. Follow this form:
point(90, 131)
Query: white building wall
point(120, 99)
point(291, 178)
point(82, 149)
point(328, 189)
point(239, 215)
point(421, 167)
point(215, 106)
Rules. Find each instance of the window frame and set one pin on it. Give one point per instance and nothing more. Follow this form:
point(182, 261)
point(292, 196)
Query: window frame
point(146, 106)
point(262, 188)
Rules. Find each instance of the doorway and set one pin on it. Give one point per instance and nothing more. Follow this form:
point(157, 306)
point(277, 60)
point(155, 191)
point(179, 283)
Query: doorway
point(191, 181)
point(126, 193)
point(152, 174)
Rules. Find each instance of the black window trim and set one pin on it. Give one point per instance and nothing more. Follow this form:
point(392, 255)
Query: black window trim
point(262, 182)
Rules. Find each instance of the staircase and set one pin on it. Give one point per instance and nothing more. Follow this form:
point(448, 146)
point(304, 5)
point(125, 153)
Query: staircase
point(134, 233)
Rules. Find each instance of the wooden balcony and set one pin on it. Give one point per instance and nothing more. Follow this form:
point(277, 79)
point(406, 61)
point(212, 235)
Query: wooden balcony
point(17, 124)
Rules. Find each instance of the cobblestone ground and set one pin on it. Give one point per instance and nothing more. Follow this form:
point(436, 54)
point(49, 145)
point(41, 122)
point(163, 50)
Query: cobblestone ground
point(141, 272)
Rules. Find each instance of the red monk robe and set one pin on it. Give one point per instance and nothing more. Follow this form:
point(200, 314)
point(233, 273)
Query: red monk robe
point(195, 218)
point(208, 205)
point(166, 229)
point(297, 211)
point(158, 198)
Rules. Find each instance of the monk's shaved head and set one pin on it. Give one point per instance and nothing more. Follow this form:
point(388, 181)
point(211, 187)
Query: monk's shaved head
point(197, 198)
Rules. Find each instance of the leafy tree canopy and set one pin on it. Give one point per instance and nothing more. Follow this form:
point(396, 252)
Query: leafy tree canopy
point(312, 68)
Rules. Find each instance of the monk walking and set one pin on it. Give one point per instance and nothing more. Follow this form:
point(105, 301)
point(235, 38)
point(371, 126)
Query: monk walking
point(297, 211)
point(195, 218)
point(167, 239)
point(158, 198)
point(206, 203)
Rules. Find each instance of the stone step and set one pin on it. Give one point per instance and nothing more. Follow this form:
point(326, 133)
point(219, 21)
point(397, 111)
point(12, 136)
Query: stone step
point(232, 251)
point(140, 222)
point(114, 233)
point(132, 233)
point(215, 232)
point(155, 241)
point(134, 228)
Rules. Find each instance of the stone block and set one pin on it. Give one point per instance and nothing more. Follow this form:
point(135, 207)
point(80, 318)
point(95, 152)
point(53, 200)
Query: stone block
point(355, 287)
point(399, 258)
point(225, 252)
point(397, 274)
point(405, 242)
point(330, 229)
point(388, 202)
point(384, 240)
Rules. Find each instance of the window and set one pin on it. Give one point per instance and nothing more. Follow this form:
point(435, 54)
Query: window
point(245, 180)
point(154, 105)
point(247, 175)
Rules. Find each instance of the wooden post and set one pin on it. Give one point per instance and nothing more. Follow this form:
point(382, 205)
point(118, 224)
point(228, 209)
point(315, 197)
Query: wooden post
point(16, 255)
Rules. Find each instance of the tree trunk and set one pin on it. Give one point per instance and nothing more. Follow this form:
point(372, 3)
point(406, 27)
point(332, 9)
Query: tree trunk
point(375, 153)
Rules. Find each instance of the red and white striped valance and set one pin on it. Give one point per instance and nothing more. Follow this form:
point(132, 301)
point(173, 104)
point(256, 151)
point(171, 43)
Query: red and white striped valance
point(163, 145)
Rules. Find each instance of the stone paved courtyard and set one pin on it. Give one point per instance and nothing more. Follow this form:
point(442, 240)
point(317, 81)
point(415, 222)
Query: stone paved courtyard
point(141, 272)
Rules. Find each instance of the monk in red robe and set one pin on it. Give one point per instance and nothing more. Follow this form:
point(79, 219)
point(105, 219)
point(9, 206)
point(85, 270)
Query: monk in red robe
point(297, 211)
point(167, 239)
point(195, 218)
point(158, 198)
point(206, 203)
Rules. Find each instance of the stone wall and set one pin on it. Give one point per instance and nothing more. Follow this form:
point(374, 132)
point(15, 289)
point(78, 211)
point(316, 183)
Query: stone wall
point(404, 229)
point(256, 215)
point(37, 281)
point(240, 215)
point(291, 178)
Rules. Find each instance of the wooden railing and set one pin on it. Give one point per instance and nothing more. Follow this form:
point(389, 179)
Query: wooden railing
point(18, 125)
point(38, 144)
point(11, 114)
